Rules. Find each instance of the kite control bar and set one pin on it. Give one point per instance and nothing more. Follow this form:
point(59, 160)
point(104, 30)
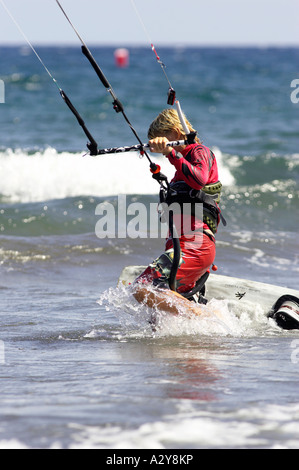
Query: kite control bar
point(138, 147)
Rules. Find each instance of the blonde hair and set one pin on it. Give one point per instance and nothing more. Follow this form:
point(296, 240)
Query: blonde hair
point(167, 121)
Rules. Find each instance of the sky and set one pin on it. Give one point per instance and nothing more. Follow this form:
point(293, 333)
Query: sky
point(167, 22)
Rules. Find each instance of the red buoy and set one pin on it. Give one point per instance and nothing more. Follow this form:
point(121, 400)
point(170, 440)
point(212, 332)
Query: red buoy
point(121, 57)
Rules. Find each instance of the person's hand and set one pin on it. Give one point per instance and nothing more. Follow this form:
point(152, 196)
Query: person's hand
point(159, 145)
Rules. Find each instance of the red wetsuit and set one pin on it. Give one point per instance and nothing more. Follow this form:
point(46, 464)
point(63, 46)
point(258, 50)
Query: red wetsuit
point(196, 165)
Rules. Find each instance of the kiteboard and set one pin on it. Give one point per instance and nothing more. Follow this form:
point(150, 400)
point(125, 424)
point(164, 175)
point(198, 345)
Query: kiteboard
point(279, 303)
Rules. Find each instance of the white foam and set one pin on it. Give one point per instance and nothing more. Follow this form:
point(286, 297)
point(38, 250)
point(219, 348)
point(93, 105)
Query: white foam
point(263, 426)
point(270, 426)
point(52, 175)
point(225, 175)
point(12, 444)
point(48, 174)
point(218, 318)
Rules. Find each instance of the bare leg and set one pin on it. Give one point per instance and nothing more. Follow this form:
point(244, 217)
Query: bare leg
point(165, 300)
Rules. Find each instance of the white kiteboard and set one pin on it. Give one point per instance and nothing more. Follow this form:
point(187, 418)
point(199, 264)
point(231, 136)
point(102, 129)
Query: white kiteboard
point(239, 294)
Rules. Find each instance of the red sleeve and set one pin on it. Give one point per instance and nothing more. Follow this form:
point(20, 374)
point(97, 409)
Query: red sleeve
point(194, 171)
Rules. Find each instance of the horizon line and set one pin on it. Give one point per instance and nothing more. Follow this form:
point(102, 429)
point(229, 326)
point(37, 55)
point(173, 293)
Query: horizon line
point(147, 45)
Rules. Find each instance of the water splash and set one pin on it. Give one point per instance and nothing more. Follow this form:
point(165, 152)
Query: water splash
point(217, 318)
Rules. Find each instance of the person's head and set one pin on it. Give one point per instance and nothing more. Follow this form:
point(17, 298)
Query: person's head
point(167, 123)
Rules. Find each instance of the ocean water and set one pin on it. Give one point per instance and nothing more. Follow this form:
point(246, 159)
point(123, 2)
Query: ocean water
point(80, 366)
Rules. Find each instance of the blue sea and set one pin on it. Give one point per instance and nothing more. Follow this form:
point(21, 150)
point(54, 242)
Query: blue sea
point(80, 366)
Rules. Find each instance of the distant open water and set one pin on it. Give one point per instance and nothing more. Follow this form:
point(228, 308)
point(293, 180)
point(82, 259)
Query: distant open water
point(79, 365)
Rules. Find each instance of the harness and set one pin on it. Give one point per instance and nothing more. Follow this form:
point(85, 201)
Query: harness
point(209, 196)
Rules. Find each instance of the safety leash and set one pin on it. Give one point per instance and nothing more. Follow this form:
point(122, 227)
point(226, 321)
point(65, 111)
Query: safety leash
point(171, 95)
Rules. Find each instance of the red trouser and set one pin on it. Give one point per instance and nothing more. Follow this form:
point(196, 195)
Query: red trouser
point(196, 259)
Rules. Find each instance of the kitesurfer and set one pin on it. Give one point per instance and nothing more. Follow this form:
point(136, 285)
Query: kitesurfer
point(195, 184)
